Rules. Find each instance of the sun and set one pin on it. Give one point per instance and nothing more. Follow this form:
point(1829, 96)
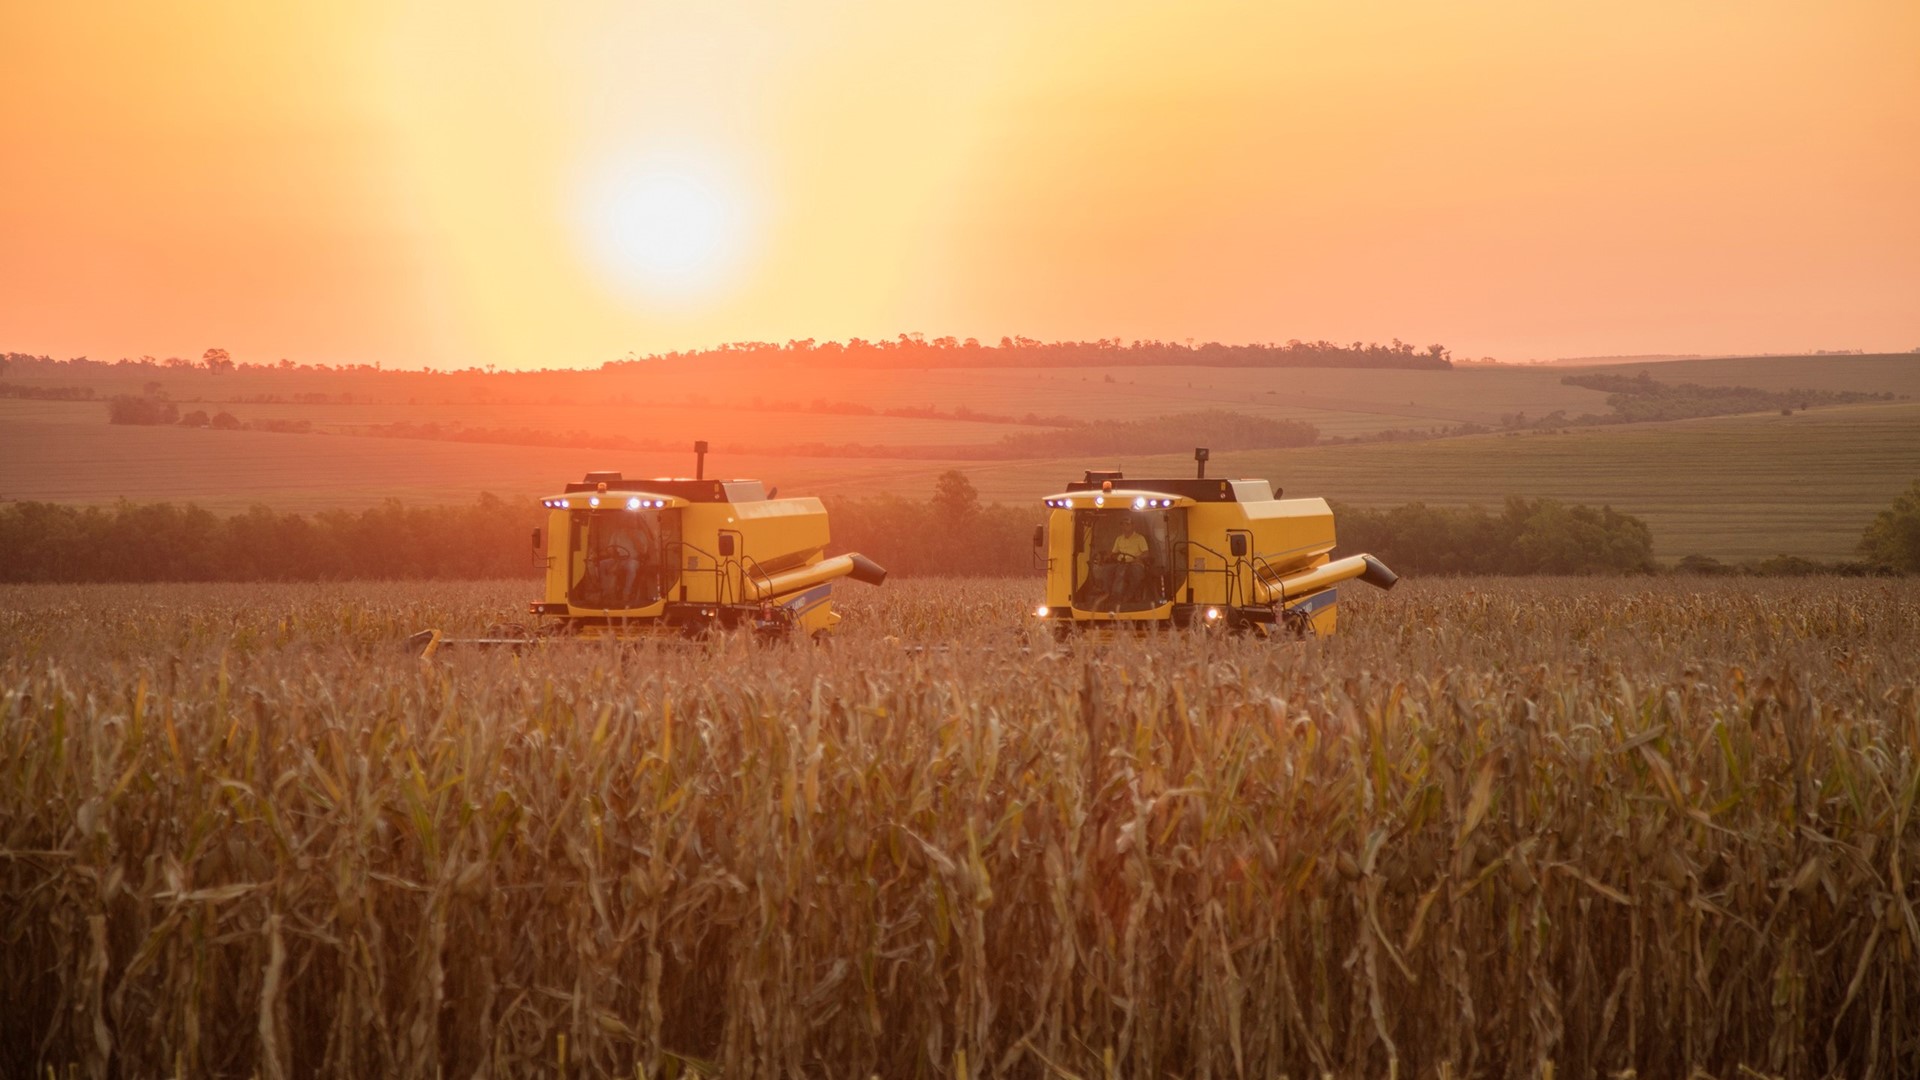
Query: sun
point(665, 228)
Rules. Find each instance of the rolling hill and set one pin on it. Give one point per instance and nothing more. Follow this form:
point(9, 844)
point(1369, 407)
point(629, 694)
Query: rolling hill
point(1730, 487)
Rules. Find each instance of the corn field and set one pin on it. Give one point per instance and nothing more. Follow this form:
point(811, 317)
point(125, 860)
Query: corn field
point(1532, 827)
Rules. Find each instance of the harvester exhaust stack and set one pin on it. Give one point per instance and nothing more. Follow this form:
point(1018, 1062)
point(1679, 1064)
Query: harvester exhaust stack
point(1200, 456)
point(700, 459)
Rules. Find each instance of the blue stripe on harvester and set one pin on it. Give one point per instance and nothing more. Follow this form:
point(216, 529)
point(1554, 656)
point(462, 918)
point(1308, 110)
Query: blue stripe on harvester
point(1324, 598)
point(806, 601)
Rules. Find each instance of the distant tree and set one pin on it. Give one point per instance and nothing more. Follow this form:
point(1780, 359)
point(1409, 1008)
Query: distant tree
point(954, 496)
point(217, 361)
point(140, 409)
point(1703, 565)
point(196, 418)
point(225, 421)
point(1893, 539)
point(1553, 538)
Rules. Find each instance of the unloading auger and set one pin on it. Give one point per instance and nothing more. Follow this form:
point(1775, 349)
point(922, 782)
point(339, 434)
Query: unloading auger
point(629, 559)
point(1138, 554)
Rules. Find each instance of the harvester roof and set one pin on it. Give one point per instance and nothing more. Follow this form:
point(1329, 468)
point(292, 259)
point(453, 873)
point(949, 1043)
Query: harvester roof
point(681, 487)
point(1187, 487)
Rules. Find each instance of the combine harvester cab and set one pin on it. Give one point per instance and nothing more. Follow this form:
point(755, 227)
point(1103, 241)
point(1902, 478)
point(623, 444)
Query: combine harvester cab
point(1139, 554)
point(681, 557)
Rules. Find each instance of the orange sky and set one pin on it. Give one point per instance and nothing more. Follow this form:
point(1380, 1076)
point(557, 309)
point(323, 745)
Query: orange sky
point(530, 185)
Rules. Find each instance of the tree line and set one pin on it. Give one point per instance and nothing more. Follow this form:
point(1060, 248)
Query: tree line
point(130, 542)
point(154, 409)
point(909, 350)
point(918, 350)
point(1635, 398)
point(950, 534)
point(1527, 536)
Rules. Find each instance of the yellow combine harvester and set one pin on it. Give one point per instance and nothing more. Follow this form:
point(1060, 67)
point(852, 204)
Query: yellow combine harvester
point(1142, 554)
point(629, 558)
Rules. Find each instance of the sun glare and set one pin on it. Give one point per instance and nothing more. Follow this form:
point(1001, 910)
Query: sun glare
point(664, 229)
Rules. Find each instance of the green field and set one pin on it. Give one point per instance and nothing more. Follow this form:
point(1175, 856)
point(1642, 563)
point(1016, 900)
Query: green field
point(1729, 487)
point(1898, 373)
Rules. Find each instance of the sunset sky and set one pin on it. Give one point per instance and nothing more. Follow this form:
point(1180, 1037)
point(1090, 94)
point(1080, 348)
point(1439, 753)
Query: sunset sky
point(560, 184)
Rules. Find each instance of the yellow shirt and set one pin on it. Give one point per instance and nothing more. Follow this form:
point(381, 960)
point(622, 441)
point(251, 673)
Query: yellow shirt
point(1134, 546)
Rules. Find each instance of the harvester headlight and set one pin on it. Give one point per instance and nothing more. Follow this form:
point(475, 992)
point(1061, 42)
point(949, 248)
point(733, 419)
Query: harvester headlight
point(1042, 611)
point(1139, 502)
point(566, 504)
point(633, 503)
point(593, 500)
point(1099, 500)
point(1213, 614)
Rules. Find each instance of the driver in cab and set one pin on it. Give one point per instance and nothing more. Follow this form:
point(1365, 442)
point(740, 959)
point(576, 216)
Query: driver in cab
point(623, 547)
point(1126, 565)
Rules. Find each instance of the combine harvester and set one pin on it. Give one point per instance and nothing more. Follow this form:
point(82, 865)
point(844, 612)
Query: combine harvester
point(1139, 554)
point(678, 557)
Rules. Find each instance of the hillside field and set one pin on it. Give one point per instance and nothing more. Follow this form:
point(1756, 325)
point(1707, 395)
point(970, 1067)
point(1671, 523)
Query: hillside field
point(680, 399)
point(1730, 487)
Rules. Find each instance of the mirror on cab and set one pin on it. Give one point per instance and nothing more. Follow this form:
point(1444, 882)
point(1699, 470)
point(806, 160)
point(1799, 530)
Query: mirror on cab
point(1039, 535)
point(536, 539)
point(1237, 544)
